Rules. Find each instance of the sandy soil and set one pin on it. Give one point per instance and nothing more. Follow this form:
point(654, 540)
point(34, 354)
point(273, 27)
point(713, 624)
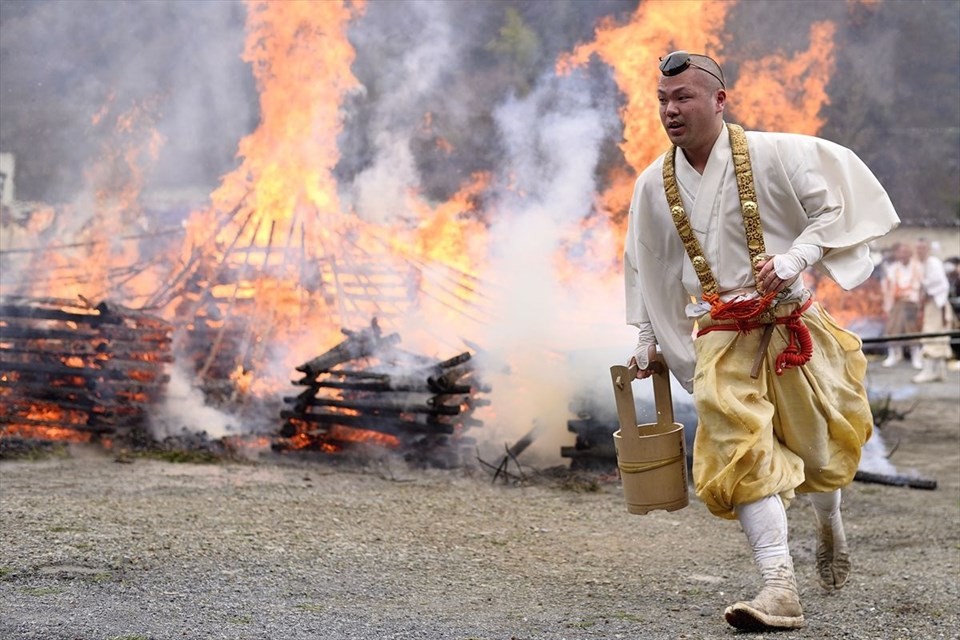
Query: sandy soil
point(93, 549)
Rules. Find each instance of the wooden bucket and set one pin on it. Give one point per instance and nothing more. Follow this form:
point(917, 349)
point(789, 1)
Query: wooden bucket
point(651, 457)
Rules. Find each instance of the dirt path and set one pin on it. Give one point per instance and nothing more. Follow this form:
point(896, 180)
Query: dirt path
point(95, 550)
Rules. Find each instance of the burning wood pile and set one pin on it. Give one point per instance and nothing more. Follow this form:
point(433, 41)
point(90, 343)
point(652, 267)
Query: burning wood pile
point(78, 372)
point(595, 424)
point(593, 449)
point(406, 402)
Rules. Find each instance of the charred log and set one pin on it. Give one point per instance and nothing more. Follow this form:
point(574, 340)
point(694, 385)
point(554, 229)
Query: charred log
point(377, 406)
point(359, 344)
point(514, 450)
point(418, 405)
point(380, 387)
point(80, 369)
point(380, 424)
point(113, 334)
point(895, 480)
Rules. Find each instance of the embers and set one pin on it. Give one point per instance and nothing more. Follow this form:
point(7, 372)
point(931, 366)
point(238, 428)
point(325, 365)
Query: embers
point(78, 373)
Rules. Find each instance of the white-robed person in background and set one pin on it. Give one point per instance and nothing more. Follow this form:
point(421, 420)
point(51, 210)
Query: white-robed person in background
point(937, 316)
point(720, 229)
point(902, 287)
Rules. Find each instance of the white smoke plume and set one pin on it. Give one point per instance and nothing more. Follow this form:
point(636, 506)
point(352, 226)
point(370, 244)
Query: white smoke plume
point(411, 69)
point(183, 409)
point(552, 140)
point(65, 61)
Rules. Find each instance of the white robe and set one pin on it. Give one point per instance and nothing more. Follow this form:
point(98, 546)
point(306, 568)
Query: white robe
point(809, 191)
point(937, 316)
point(935, 284)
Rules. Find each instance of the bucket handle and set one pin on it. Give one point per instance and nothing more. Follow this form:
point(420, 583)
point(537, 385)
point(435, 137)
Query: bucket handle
point(623, 392)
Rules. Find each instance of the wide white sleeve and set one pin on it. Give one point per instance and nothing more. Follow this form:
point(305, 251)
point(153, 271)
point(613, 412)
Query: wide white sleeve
point(653, 259)
point(636, 306)
point(846, 206)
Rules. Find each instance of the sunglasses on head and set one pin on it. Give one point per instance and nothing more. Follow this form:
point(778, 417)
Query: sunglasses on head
point(679, 61)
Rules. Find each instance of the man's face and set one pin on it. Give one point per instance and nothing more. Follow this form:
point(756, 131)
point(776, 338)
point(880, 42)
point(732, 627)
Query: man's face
point(690, 108)
point(923, 249)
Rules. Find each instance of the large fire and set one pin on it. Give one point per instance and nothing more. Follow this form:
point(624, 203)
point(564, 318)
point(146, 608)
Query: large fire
point(283, 261)
point(270, 272)
point(267, 245)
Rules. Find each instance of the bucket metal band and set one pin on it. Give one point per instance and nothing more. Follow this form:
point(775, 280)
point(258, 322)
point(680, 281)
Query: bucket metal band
point(640, 467)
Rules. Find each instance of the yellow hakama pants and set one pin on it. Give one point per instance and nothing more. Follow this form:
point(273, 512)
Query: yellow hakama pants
point(801, 431)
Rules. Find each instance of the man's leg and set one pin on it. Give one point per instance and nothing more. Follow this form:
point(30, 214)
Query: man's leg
point(777, 606)
point(833, 557)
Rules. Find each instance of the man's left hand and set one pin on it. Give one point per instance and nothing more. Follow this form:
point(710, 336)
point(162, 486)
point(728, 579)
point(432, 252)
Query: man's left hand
point(780, 271)
point(770, 281)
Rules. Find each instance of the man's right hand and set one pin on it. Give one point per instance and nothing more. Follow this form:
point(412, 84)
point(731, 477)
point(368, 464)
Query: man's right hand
point(644, 361)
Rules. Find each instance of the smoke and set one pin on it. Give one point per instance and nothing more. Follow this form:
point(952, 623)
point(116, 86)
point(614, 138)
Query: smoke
point(123, 114)
point(424, 67)
point(408, 81)
point(65, 62)
point(552, 141)
point(547, 146)
point(183, 410)
point(874, 457)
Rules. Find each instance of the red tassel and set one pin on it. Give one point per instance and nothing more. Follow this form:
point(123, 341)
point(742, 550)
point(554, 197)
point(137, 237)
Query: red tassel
point(800, 349)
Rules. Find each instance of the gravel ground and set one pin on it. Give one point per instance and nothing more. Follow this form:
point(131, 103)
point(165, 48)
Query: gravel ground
point(93, 549)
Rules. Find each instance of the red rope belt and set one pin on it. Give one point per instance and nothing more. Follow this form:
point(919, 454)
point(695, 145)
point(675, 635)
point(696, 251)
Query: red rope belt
point(744, 313)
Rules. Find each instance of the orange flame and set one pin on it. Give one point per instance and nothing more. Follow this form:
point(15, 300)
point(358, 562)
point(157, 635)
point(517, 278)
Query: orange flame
point(59, 434)
point(776, 92)
point(278, 254)
point(275, 218)
point(117, 178)
point(846, 307)
point(346, 434)
point(333, 439)
point(301, 59)
point(632, 50)
point(449, 232)
point(98, 258)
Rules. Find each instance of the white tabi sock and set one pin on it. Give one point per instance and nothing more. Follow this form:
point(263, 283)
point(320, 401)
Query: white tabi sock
point(826, 506)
